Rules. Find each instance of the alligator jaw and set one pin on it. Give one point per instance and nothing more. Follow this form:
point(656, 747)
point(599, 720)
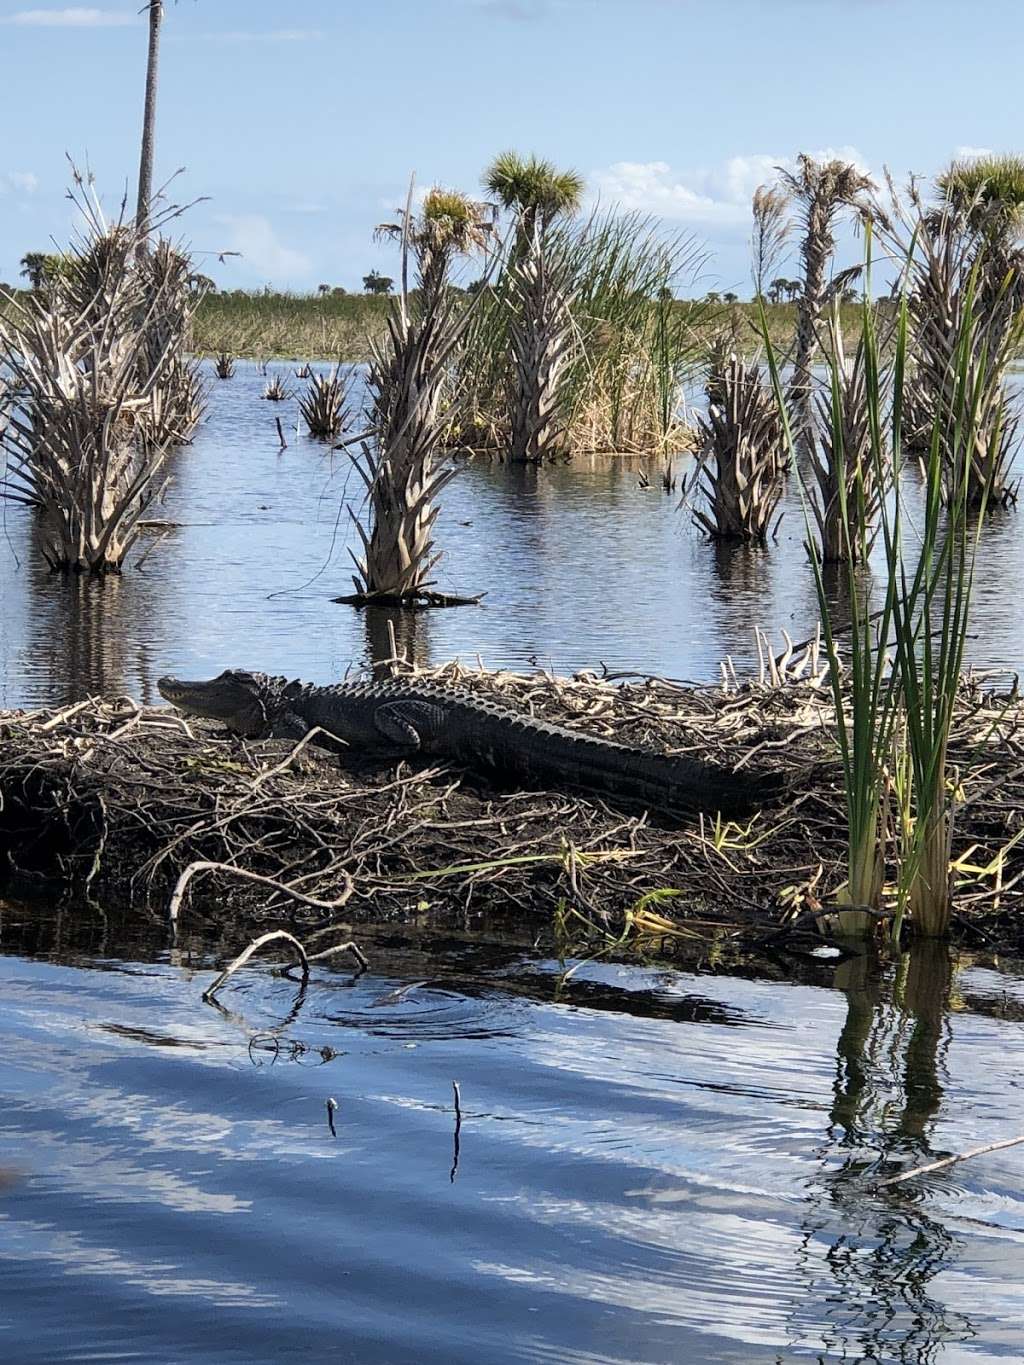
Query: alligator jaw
point(236, 698)
point(198, 697)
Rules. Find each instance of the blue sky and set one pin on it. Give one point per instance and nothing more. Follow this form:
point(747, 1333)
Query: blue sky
point(301, 123)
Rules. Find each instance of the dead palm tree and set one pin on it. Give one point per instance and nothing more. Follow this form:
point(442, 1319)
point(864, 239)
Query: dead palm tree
point(740, 468)
point(142, 211)
point(964, 274)
point(822, 190)
point(541, 336)
point(407, 380)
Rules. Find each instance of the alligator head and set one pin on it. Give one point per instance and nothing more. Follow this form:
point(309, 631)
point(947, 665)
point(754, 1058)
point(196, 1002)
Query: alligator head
point(245, 702)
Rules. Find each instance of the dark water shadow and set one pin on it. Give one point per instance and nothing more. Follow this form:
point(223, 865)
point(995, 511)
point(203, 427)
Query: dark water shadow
point(392, 632)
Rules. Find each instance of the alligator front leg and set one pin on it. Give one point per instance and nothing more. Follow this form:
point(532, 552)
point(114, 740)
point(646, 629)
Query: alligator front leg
point(409, 724)
point(288, 725)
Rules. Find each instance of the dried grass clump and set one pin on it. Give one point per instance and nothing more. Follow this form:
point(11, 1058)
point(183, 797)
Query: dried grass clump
point(742, 461)
point(965, 295)
point(276, 390)
point(324, 405)
point(93, 406)
point(224, 365)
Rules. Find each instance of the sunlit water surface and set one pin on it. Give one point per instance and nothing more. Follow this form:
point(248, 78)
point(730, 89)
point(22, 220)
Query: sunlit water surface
point(651, 1166)
point(581, 566)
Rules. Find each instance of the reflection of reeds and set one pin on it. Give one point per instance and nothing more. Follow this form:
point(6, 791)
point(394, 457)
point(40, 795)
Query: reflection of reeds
point(323, 405)
point(741, 462)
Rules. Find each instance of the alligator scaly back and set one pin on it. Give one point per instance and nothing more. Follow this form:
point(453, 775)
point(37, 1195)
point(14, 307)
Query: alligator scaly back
point(408, 716)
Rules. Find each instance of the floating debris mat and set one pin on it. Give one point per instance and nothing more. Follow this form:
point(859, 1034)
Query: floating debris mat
point(115, 802)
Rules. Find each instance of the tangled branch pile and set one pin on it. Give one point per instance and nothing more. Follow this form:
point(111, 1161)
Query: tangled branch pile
point(116, 801)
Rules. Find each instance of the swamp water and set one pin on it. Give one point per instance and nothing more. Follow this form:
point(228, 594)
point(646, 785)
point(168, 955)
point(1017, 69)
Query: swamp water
point(652, 1165)
point(581, 566)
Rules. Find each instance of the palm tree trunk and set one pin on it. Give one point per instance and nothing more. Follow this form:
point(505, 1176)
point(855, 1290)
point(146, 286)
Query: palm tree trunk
point(156, 14)
point(816, 250)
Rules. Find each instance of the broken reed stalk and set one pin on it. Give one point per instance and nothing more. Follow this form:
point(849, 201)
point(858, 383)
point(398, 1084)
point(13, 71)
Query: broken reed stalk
point(282, 888)
point(740, 466)
point(324, 404)
point(947, 1161)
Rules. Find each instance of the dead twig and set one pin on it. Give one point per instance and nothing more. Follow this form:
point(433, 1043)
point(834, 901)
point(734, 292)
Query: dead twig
point(194, 869)
point(950, 1161)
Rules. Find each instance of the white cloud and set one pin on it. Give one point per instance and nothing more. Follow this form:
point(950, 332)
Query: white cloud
point(254, 238)
point(971, 153)
point(20, 182)
point(714, 196)
point(78, 16)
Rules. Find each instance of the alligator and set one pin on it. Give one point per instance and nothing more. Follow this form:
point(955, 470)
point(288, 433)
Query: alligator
point(407, 717)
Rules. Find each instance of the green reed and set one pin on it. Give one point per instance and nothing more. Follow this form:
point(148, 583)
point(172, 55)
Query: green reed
point(895, 697)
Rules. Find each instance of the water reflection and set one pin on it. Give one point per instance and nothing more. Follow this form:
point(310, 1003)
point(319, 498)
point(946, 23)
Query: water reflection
point(873, 1255)
point(392, 632)
point(103, 632)
point(579, 563)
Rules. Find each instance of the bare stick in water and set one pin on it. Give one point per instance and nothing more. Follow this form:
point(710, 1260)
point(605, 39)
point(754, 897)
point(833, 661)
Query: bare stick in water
point(332, 1105)
point(458, 1126)
point(254, 947)
point(950, 1161)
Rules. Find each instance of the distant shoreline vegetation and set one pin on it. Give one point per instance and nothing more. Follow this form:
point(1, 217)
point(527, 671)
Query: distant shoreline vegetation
point(339, 326)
